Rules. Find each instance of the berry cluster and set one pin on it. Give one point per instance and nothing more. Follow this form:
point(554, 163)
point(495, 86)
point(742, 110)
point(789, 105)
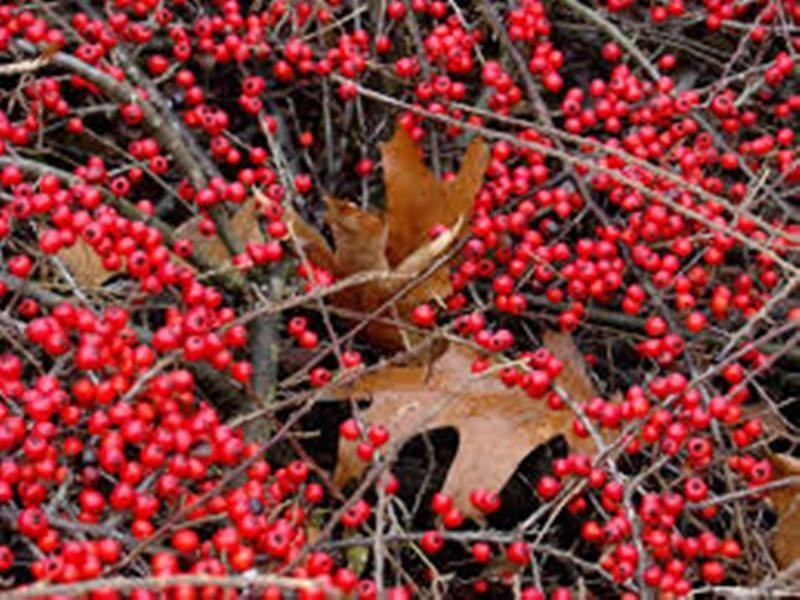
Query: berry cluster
point(628, 190)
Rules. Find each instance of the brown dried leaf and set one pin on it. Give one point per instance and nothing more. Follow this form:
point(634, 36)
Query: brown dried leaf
point(85, 264)
point(497, 426)
point(416, 200)
point(573, 377)
point(398, 242)
point(786, 501)
point(87, 267)
point(360, 238)
point(244, 226)
point(314, 247)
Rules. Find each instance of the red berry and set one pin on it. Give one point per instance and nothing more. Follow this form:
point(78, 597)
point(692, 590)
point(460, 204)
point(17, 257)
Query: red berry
point(518, 553)
point(482, 552)
point(378, 435)
point(713, 572)
point(185, 541)
point(350, 429)
point(423, 315)
point(548, 487)
point(431, 542)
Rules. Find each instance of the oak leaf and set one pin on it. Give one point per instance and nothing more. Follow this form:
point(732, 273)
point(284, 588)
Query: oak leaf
point(498, 426)
point(396, 242)
point(786, 501)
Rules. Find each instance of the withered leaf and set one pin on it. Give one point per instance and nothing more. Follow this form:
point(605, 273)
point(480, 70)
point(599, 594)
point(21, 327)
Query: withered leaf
point(398, 241)
point(417, 200)
point(313, 246)
point(85, 264)
point(244, 227)
point(573, 377)
point(498, 426)
point(360, 238)
point(786, 501)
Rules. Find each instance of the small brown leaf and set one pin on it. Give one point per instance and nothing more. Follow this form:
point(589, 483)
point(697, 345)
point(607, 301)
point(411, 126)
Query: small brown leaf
point(85, 264)
point(786, 501)
point(498, 426)
point(244, 226)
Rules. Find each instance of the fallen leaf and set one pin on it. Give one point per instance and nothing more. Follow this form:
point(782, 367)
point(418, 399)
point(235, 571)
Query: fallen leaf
point(314, 247)
point(360, 238)
point(417, 200)
point(244, 226)
point(498, 426)
point(87, 267)
point(398, 241)
point(85, 264)
point(786, 501)
point(573, 377)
